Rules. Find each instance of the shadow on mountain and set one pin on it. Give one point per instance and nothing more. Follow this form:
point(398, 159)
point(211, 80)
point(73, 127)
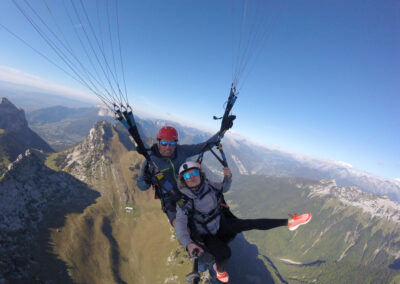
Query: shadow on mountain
point(395, 265)
point(48, 268)
point(106, 228)
point(245, 266)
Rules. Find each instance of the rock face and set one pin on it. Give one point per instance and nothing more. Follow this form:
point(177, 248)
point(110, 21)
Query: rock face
point(377, 206)
point(97, 160)
point(12, 120)
point(32, 197)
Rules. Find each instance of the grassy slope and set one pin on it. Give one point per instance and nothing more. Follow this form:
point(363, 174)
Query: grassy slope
point(107, 245)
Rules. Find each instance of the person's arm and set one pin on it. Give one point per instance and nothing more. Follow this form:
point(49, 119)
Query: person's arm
point(144, 180)
point(181, 228)
point(225, 185)
point(195, 149)
point(227, 182)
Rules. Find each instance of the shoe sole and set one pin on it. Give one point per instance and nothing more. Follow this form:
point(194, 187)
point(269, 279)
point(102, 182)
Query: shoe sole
point(295, 227)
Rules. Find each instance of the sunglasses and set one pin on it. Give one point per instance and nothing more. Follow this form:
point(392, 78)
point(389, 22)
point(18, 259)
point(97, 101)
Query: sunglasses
point(165, 143)
point(194, 173)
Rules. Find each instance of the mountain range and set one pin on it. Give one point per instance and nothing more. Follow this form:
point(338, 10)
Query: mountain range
point(244, 156)
point(247, 157)
point(76, 216)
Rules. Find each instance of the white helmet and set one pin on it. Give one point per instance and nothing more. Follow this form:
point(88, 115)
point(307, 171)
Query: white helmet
point(188, 165)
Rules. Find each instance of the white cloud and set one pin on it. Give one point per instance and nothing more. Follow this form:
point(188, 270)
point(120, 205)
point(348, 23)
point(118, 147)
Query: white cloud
point(343, 164)
point(15, 76)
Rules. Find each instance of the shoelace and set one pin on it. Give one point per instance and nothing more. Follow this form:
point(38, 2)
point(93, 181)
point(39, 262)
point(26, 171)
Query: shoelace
point(294, 216)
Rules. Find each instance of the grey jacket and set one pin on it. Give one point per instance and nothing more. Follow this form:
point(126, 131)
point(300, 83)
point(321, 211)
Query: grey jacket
point(204, 201)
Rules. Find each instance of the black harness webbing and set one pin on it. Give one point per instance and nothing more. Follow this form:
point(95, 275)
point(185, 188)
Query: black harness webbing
point(226, 124)
point(158, 180)
point(187, 206)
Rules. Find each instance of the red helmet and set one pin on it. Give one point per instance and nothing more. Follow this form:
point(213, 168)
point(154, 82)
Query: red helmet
point(167, 132)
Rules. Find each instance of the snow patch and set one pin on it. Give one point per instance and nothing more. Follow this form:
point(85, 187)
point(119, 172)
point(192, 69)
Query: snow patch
point(285, 260)
point(240, 165)
point(377, 206)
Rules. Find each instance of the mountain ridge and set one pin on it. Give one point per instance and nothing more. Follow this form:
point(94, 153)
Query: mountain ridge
point(247, 157)
point(33, 199)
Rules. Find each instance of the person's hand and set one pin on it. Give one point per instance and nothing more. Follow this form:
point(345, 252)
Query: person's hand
point(192, 247)
point(227, 123)
point(227, 172)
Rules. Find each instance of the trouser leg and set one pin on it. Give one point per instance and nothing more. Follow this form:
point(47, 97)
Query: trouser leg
point(240, 225)
point(219, 249)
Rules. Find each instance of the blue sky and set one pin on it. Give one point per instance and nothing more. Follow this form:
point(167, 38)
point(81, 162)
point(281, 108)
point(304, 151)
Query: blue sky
point(326, 82)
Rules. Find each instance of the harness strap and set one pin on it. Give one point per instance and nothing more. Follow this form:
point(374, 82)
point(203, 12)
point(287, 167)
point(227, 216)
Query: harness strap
point(222, 160)
point(190, 211)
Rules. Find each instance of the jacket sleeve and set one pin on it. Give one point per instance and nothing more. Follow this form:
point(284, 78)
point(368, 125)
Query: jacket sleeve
point(181, 227)
point(195, 149)
point(141, 183)
point(226, 184)
point(223, 186)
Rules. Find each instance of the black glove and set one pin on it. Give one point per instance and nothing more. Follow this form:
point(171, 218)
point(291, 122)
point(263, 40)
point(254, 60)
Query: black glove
point(227, 123)
point(147, 175)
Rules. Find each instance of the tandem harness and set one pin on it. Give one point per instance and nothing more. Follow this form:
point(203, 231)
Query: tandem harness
point(164, 190)
point(187, 206)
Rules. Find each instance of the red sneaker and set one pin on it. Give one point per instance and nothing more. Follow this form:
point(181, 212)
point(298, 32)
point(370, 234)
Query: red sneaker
point(298, 220)
point(221, 276)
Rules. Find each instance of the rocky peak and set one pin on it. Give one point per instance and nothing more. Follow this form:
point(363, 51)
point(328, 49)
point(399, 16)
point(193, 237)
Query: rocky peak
point(13, 121)
point(96, 160)
point(5, 101)
point(96, 142)
point(91, 154)
point(11, 118)
point(100, 134)
point(30, 162)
